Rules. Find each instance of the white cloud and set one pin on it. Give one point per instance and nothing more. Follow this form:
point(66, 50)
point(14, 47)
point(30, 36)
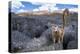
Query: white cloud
point(16, 4)
point(46, 6)
point(36, 9)
point(74, 9)
point(37, 3)
point(71, 9)
point(21, 10)
point(54, 8)
point(43, 7)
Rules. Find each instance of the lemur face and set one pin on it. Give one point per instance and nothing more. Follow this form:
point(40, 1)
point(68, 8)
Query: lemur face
point(55, 28)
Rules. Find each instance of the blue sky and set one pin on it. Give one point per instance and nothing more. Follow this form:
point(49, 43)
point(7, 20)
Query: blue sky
point(23, 6)
point(61, 6)
point(29, 6)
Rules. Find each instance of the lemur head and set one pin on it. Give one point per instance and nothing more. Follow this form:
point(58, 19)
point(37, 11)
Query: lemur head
point(55, 28)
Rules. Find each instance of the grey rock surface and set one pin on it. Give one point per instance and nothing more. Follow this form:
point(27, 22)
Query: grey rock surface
point(33, 33)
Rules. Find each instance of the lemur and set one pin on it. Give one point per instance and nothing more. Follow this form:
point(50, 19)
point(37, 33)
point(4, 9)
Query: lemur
point(58, 32)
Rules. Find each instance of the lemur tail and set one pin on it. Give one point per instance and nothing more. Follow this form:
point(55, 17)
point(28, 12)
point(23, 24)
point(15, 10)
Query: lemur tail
point(65, 13)
point(63, 20)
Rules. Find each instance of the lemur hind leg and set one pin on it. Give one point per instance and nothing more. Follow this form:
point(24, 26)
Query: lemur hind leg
point(59, 40)
point(54, 40)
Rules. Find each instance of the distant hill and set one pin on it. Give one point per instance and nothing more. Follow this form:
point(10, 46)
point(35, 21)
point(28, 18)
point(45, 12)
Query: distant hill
point(44, 12)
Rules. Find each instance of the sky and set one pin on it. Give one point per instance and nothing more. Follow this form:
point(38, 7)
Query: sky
point(27, 6)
